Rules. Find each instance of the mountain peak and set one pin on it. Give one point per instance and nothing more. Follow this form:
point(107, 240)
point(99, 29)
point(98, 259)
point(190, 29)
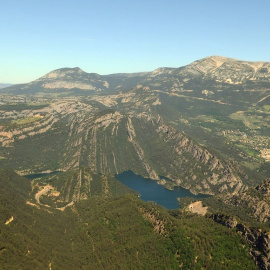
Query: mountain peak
point(62, 72)
point(220, 58)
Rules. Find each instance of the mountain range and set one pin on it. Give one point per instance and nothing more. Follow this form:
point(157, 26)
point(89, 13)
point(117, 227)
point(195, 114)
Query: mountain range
point(204, 127)
point(210, 73)
point(212, 114)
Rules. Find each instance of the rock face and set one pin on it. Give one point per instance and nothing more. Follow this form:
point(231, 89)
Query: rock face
point(227, 221)
point(255, 200)
point(264, 188)
point(256, 238)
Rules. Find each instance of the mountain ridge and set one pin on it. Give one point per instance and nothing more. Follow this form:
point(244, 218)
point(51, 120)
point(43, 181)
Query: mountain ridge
point(217, 68)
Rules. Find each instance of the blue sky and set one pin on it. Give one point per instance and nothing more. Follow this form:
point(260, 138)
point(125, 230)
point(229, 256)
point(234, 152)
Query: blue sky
point(38, 36)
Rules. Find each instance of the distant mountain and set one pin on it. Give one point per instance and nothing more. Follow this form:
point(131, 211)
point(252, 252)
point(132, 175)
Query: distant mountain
point(76, 81)
point(4, 85)
point(203, 77)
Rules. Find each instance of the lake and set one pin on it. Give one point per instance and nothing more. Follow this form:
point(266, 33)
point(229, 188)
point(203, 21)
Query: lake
point(150, 190)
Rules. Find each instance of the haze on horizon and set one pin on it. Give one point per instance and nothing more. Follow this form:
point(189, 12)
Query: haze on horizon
point(127, 36)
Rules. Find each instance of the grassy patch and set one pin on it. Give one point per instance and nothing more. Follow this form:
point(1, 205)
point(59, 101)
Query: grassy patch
point(25, 121)
point(247, 150)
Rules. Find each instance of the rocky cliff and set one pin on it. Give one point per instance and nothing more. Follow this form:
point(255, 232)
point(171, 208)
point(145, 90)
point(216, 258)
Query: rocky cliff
point(258, 239)
point(254, 200)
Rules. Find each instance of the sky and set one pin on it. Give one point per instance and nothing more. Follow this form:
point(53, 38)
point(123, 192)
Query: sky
point(120, 36)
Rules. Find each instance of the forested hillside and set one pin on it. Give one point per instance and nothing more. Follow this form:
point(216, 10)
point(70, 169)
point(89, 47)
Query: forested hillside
point(106, 231)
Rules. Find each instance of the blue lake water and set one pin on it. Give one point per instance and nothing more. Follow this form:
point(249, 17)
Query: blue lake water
point(150, 190)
